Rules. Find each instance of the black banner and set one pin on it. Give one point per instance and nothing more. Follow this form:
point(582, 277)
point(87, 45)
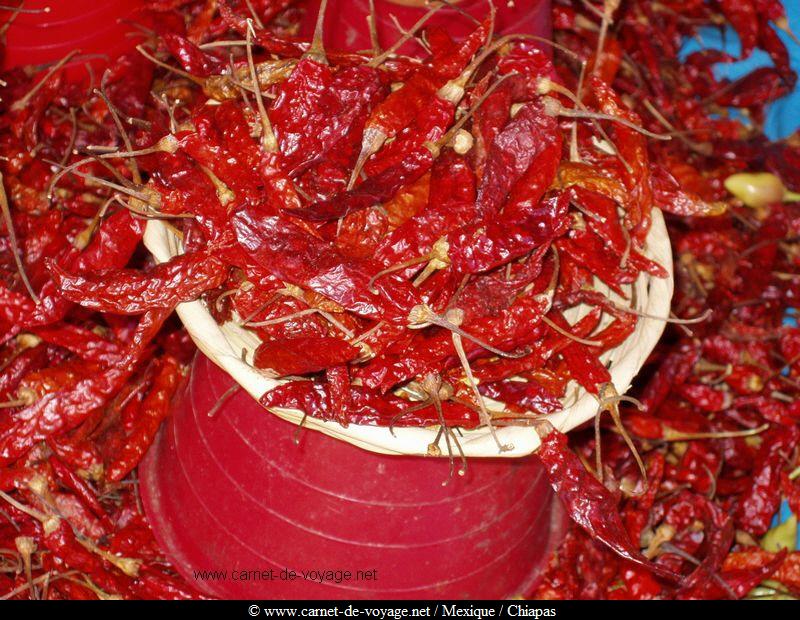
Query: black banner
point(392, 610)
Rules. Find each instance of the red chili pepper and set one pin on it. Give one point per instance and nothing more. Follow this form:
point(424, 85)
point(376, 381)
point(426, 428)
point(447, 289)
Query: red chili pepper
point(588, 502)
point(754, 560)
point(742, 16)
point(761, 499)
point(183, 278)
point(82, 342)
point(718, 533)
point(338, 382)
point(450, 205)
point(289, 253)
point(365, 406)
point(81, 489)
point(61, 540)
point(318, 114)
point(791, 491)
point(192, 58)
point(303, 355)
point(152, 411)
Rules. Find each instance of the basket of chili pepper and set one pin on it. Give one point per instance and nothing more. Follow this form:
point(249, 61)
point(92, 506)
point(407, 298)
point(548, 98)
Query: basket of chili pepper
point(407, 248)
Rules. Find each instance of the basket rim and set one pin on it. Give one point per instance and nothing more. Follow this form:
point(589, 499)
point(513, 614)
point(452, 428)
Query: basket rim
point(624, 361)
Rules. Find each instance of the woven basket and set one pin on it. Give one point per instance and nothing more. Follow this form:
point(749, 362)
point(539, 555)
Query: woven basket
point(224, 344)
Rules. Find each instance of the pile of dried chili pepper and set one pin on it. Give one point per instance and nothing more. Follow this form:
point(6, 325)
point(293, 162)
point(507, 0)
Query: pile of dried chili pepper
point(405, 236)
point(718, 425)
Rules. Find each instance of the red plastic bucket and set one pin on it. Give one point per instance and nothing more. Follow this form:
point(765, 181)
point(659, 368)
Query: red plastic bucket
point(346, 20)
point(95, 28)
point(237, 505)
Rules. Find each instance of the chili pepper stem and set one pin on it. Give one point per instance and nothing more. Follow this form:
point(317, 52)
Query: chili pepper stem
point(422, 316)
point(609, 7)
point(372, 24)
point(707, 313)
point(783, 24)
point(372, 141)
point(553, 107)
point(134, 168)
point(254, 14)
point(486, 419)
point(547, 85)
point(674, 435)
point(574, 154)
point(553, 325)
point(31, 512)
point(40, 579)
point(608, 400)
point(167, 144)
point(223, 399)
point(73, 134)
point(703, 149)
point(26, 547)
point(20, 9)
point(316, 51)
point(432, 386)
point(394, 268)
point(326, 315)
point(12, 238)
point(224, 194)
point(447, 137)
point(381, 58)
point(163, 65)
point(268, 140)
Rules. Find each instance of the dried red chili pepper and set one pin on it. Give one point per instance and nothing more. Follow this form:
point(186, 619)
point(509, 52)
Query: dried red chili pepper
point(761, 499)
point(303, 355)
point(152, 411)
point(184, 278)
point(587, 502)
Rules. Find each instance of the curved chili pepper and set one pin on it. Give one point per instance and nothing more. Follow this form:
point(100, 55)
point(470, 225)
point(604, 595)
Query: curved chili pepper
point(152, 411)
point(587, 502)
point(183, 278)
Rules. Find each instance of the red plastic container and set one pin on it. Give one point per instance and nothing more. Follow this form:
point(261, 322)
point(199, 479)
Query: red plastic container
point(235, 493)
point(346, 20)
point(91, 26)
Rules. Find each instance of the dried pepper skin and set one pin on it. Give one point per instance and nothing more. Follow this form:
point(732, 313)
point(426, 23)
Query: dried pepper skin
point(192, 58)
point(303, 355)
point(521, 162)
point(291, 254)
point(318, 114)
point(82, 342)
point(450, 205)
point(183, 278)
